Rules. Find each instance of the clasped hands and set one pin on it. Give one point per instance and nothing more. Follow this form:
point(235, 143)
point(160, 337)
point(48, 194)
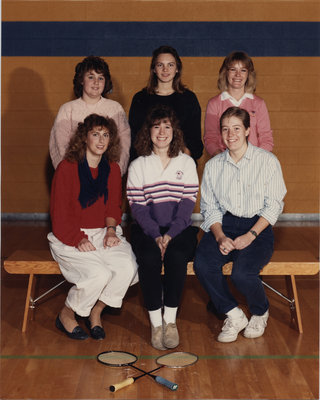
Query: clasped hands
point(110, 240)
point(226, 244)
point(162, 242)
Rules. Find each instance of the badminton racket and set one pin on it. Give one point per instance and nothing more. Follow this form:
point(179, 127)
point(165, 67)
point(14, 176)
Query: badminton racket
point(176, 359)
point(121, 359)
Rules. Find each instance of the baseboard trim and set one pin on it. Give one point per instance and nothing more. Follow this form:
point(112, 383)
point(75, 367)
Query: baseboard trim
point(196, 217)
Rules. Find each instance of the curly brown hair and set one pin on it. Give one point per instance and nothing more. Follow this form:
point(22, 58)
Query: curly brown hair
point(232, 58)
point(76, 150)
point(143, 143)
point(177, 85)
point(91, 63)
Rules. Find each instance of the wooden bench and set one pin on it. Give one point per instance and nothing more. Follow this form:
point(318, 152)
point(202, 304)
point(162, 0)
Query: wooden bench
point(285, 263)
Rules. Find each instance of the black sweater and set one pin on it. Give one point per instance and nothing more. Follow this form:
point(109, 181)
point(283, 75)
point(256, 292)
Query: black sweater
point(187, 109)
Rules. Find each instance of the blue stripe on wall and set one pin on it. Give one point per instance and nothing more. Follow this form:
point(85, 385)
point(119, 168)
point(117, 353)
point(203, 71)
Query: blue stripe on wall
point(191, 39)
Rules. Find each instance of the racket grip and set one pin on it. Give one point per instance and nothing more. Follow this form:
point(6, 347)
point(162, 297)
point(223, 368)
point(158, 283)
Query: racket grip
point(165, 382)
point(118, 386)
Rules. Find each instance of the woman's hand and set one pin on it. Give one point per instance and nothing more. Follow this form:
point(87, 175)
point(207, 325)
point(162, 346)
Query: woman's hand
point(226, 245)
point(160, 245)
point(111, 239)
point(162, 242)
point(85, 245)
point(165, 241)
point(243, 241)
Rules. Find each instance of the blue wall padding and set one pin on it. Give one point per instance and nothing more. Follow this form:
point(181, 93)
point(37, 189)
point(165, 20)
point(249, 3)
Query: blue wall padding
point(138, 39)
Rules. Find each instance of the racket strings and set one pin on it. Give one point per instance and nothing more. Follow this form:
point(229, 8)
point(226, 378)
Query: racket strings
point(117, 358)
point(177, 359)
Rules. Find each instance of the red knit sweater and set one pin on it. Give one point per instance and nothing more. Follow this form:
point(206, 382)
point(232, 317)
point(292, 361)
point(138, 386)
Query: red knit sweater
point(68, 217)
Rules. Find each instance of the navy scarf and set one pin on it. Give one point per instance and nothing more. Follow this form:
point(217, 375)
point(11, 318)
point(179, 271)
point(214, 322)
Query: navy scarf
point(91, 189)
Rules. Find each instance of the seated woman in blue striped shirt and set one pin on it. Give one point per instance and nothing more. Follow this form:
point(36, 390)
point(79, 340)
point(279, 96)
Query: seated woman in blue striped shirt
point(162, 189)
point(242, 195)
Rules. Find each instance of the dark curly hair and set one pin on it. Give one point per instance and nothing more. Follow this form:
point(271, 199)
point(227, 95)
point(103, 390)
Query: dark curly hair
point(91, 63)
point(78, 143)
point(153, 80)
point(143, 143)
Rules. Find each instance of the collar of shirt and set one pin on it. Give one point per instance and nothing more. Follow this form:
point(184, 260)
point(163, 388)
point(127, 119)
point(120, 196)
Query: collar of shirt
point(247, 155)
point(227, 96)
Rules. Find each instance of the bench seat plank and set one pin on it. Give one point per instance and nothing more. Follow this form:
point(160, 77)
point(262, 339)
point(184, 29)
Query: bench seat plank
point(283, 262)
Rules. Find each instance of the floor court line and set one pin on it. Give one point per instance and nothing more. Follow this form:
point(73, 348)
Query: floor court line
point(151, 357)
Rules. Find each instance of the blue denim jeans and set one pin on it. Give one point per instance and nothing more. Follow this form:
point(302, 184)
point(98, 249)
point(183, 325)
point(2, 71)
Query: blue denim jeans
point(247, 264)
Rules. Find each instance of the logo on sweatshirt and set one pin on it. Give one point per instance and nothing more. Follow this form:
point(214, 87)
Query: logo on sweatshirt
point(179, 174)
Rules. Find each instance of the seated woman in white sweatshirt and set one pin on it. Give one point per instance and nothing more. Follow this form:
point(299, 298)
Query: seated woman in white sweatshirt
point(162, 190)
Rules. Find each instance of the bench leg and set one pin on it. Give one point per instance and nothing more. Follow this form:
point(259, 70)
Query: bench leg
point(295, 309)
point(27, 304)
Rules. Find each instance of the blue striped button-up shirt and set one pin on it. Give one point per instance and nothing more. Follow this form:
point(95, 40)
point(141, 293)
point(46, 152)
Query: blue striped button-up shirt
point(253, 186)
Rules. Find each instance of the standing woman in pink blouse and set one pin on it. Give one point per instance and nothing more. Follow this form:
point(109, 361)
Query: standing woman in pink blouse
point(91, 83)
point(237, 83)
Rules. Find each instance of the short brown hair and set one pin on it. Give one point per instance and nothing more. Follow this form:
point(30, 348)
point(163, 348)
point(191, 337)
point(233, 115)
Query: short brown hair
point(237, 56)
point(238, 112)
point(91, 63)
point(143, 143)
point(78, 143)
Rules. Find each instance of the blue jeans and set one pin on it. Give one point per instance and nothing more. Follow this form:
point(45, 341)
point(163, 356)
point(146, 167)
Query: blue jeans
point(247, 264)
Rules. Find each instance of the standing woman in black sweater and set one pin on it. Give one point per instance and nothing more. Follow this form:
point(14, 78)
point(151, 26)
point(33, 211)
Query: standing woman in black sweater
point(165, 87)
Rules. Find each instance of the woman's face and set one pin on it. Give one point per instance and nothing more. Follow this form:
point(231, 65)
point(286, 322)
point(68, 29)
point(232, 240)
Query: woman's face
point(234, 134)
point(165, 67)
point(237, 75)
point(97, 142)
point(161, 135)
point(93, 85)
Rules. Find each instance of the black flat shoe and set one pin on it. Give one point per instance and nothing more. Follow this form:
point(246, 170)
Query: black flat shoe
point(78, 333)
point(96, 332)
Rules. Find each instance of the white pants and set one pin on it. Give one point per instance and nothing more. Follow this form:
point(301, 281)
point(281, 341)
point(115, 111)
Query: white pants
point(104, 274)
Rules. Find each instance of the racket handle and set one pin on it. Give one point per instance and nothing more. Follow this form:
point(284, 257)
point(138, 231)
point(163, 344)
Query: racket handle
point(118, 386)
point(165, 382)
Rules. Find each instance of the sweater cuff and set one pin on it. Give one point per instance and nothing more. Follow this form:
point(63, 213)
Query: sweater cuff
point(79, 237)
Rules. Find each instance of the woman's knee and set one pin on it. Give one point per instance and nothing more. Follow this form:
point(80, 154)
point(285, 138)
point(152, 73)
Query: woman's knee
point(241, 277)
point(175, 257)
point(128, 267)
point(149, 259)
point(99, 274)
point(200, 264)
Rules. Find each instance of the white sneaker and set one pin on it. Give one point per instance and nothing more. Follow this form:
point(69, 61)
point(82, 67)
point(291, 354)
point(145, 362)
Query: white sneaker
point(231, 328)
point(256, 326)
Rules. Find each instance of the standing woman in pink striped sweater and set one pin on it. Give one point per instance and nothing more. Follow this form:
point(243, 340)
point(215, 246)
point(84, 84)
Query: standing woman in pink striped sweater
point(91, 83)
point(237, 83)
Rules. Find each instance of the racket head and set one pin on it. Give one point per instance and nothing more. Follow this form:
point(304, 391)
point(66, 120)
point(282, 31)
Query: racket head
point(115, 358)
point(177, 359)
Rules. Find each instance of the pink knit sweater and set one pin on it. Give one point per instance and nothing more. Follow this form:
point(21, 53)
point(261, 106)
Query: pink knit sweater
point(260, 129)
point(73, 112)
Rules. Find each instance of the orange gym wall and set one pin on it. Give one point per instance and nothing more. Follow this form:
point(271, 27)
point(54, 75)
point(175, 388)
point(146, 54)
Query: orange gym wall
point(33, 88)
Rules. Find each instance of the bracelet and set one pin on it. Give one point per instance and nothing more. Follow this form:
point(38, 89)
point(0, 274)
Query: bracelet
point(254, 233)
point(112, 227)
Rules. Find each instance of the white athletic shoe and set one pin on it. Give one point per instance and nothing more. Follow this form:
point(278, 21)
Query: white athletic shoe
point(231, 328)
point(256, 326)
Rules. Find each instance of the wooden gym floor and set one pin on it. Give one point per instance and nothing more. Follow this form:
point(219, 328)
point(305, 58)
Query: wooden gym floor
point(44, 364)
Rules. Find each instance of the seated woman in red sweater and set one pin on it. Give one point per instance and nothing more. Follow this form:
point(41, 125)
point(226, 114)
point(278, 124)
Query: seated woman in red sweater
point(86, 238)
